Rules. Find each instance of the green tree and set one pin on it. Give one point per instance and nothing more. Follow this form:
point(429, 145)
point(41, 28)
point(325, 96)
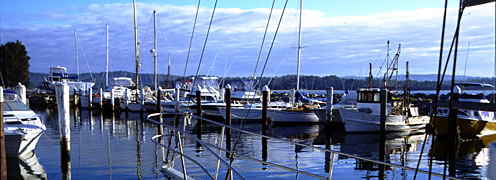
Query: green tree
point(14, 64)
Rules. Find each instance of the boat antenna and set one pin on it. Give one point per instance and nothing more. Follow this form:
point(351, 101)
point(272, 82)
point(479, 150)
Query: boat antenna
point(371, 77)
point(466, 59)
point(77, 57)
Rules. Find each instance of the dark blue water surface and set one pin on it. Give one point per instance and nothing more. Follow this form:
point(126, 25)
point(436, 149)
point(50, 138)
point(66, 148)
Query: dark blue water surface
point(116, 147)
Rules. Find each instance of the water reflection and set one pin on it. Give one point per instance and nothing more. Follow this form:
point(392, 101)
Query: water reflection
point(119, 147)
point(471, 155)
point(25, 167)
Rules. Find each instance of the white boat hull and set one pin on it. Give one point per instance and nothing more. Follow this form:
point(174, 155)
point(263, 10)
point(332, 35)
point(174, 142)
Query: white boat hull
point(19, 144)
point(355, 121)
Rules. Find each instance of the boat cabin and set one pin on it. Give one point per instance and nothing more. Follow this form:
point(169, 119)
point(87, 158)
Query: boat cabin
point(59, 74)
point(369, 101)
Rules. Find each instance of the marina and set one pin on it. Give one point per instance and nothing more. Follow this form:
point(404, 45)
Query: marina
point(98, 143)
point(305, 108)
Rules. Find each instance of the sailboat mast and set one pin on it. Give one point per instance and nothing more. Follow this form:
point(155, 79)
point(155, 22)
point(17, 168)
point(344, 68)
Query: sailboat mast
point(107, 57)
point(136, 44)
point(299, 50)
point(77, 57)
point(155, 49)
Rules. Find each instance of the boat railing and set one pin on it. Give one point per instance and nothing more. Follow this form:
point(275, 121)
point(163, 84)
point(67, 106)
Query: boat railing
point(178, 132)
point(188, 116)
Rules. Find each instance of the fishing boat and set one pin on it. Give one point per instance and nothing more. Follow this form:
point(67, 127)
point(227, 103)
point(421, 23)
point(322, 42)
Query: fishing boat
point(365, 117)
point(470, 122)
point(22, 127)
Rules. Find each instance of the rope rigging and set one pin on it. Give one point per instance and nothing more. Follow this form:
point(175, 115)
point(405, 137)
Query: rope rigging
point(191, 39)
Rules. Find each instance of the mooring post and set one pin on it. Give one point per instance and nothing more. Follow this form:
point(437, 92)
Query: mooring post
point(159, 98)
point(383, 128)
point(292, 96)
point(101, 98)
point(90, 97)
point(199, 113)
point(21, 91)
point(142, 99)
point(75, 97)
point(329, 102)
point(3, 154)
point(227, 97)
point(453, 131)
point(265, 120)
point(126, 99)
point(112, 100)
point(62, 98)
point(177, 98)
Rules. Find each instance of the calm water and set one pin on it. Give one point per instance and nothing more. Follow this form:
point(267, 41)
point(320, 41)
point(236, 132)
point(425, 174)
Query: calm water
point(105, 147)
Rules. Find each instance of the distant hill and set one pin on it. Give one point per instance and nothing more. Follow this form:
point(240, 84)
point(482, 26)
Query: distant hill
point(424, 77)
point(418, 81)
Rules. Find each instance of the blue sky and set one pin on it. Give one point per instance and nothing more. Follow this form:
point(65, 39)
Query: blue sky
point(339, 37)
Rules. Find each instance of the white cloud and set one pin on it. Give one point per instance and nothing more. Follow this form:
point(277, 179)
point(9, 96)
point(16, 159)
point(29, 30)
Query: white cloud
point(333, 45)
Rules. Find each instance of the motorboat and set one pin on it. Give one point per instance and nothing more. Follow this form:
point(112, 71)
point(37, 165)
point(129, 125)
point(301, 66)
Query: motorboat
point(22, 127)
point(58, 74)
point(470, 122)
point(365, 115)
point(244, 92)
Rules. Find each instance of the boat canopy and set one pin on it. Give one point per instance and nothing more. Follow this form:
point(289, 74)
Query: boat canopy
point(468, 3)
point(122, 81)
point(471, 84)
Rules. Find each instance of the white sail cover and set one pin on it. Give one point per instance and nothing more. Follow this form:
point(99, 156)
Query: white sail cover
point(468, 3)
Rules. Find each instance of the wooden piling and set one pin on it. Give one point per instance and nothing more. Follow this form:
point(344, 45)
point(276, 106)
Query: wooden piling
point(329, 102)
point(142, 99)
point(265, 120)
point(292, 100)
point(112, 100)
point(90, 97)
point(383, 101)
point(62, 98)
point(382, 140)
point(75, 97)
point(3, 154)
point(21, 91)
point(101, 98)
point(126, 100)
point(453, 133)
point(199, 113)
point(227, 97)
point(159, 97)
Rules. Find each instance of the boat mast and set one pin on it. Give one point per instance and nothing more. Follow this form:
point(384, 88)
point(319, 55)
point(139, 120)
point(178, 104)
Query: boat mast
point(77, 57)
point(136, 45)
point(107, 57)
point(155, 48)
point(299, 50)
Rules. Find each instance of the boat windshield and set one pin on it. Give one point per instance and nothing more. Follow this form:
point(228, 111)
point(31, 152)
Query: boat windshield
point(123, 82)
point(15, 106)
point(369, 97)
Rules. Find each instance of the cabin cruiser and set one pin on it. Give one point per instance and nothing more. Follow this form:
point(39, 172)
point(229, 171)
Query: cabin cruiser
point(365, 115)
point(470, 122)
point(22, 127)
point(243, 91)
point(58, 74)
